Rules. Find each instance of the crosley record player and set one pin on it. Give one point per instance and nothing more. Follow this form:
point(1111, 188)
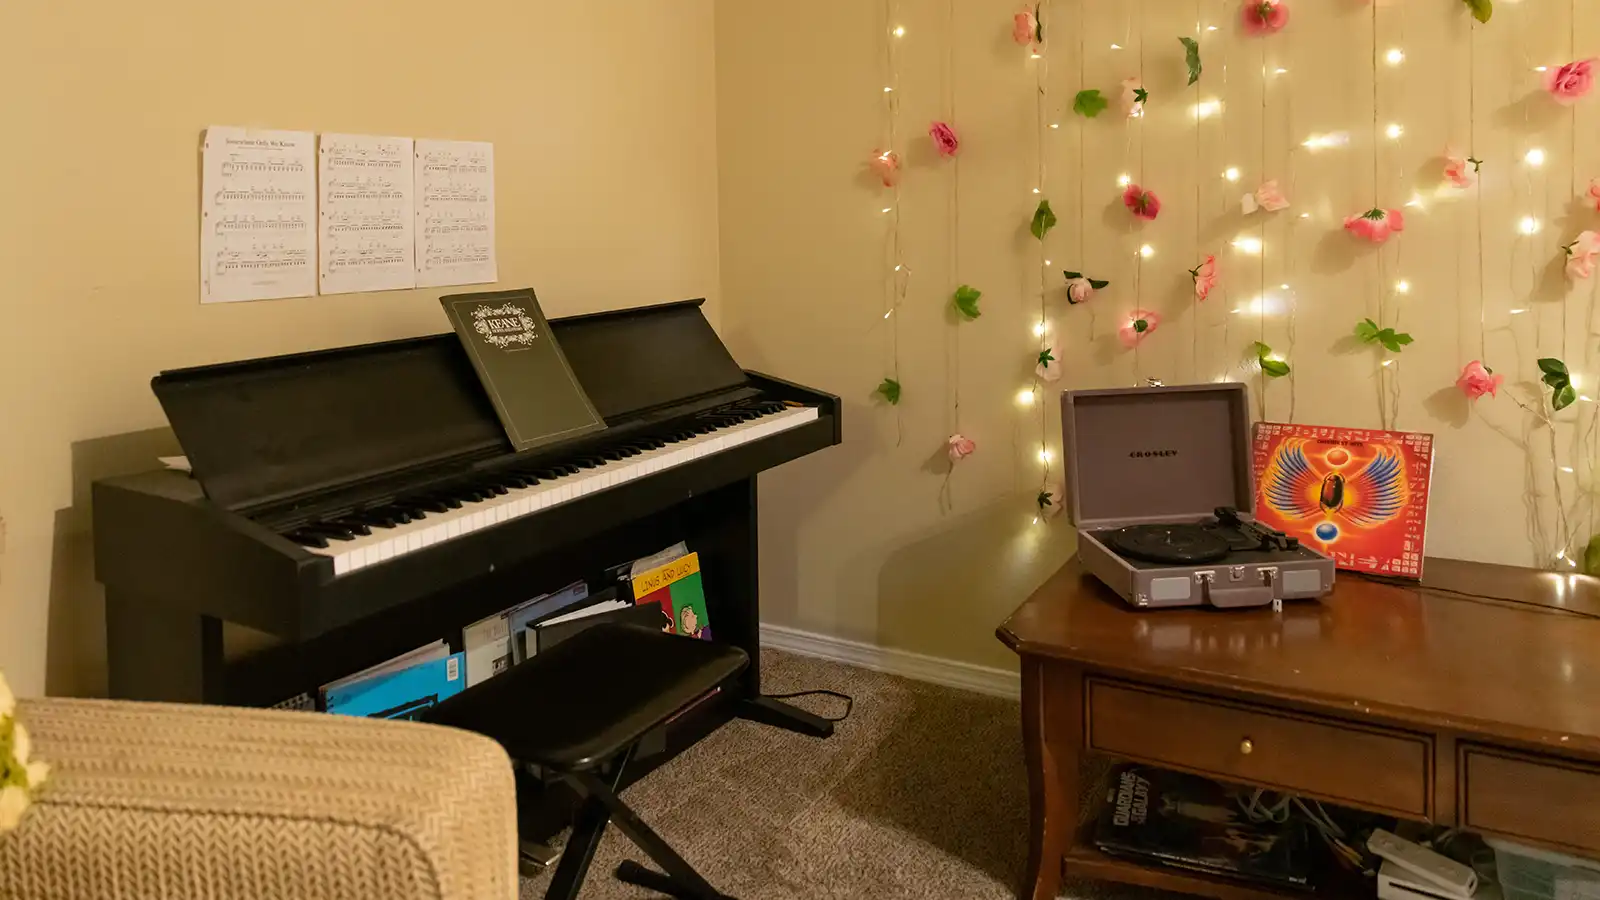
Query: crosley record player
point(1163, 496)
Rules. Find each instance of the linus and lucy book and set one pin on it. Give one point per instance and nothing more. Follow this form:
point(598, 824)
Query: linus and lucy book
point(1357, 495)
point(675, 588)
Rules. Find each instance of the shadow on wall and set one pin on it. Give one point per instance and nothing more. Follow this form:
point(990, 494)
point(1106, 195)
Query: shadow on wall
point(75, 661)
point(933, 600)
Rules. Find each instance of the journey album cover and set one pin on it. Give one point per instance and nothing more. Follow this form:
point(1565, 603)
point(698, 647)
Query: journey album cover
point(1358, 495)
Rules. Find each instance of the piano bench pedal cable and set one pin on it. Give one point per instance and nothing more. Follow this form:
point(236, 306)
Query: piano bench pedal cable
point(849, 701)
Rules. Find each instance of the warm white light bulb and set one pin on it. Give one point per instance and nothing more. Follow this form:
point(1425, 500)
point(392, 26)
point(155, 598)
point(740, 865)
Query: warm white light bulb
point(1518, 312)
point(1147, 251)
point(887, 208)
point(899, 31)
point(1036, 190)
point(1541, 68)
point(1047, 262)
point(1402, 287)
point(1025, 397)
point(1038, 330)
point(887, 89)
point(1055, 124)
point(1534, 157)
point(1388, 362)
point(1206, 109)
point(1394, 131)
point(1566, 468)
point(888, 314)
point(1116, 46)
point(1529, 225)
point(1247, 245)
point(1124, 180)
point(1232, 174)
point(1280, 71)
point(1395, 56)
point(1044, 454)
point(1033, 56)
point(1211, 28)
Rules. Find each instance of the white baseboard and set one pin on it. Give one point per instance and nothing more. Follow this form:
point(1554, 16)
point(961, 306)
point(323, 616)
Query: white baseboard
point(917, 666)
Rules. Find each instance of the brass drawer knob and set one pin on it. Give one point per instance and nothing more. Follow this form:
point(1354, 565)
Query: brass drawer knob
point(1247, 747)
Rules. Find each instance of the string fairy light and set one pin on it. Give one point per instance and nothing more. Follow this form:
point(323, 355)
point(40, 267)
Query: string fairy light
point(1041, 80)
point(898, 275)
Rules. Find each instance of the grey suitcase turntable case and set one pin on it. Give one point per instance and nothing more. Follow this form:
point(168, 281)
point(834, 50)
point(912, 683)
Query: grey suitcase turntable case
point(1175, 456)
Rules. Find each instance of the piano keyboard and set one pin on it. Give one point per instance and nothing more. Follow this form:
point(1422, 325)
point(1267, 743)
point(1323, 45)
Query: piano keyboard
point(375, 537)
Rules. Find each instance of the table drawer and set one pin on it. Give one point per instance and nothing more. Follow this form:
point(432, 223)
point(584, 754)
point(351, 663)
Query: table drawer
point(1538, 798)
point(1358, 765)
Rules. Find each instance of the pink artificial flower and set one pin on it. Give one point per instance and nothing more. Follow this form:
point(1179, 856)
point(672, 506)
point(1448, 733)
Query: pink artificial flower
point(960, 447)
point(1376, 225)
point(1205, 277)
point(1142, 203)
point(1477, 379)
point(1581, 254)
point(1140, 323)
point(944, 139)
point(886, 163)
point(1079, 290)
point(1571, 82)
point(1268, 197)
point(1024, 27)
point(1594, 193)
point(1133, 96)
point(1265, 16)
point(1459, 170)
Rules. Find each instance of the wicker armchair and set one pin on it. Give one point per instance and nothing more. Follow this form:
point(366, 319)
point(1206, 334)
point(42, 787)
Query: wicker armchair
point(150, 801)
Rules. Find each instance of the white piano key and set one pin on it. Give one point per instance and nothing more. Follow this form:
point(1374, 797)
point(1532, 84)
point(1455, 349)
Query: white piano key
point(384, 544)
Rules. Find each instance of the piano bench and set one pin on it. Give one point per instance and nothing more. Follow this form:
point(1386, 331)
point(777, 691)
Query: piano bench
point(586, 702)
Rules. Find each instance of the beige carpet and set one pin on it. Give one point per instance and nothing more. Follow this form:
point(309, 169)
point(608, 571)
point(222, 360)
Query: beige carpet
point(920, 794)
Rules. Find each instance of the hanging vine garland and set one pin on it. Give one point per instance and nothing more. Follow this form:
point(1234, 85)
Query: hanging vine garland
point(885, 163)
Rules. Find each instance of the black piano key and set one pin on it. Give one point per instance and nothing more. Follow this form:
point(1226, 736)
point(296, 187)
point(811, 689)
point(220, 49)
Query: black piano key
point(308, 539)
point(430, 504)
point(354, 526)
point(586, 462)
point(612, 454)
point(516, 481)
point(331, 531)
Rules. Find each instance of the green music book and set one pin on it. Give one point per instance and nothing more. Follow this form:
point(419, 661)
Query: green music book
point(535, 394)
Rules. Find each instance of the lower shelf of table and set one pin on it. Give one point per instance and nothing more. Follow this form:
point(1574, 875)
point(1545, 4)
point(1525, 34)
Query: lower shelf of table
point(1085, 861)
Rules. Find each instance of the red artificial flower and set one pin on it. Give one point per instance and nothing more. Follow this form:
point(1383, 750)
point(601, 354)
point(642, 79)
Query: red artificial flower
point(1142, 203)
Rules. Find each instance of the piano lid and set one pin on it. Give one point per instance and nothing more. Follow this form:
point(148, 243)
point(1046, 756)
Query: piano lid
point(266, 430)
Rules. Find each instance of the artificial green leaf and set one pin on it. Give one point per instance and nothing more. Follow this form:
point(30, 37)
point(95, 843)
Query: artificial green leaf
point(1045, 356)
point(1367, 330)
point(1045, 500)
point(1097, 284)
point(1563, 397)
point(890, 391)
point(1262, 351)
point(1191, 57)
point(1089, 103)
point(1072, 275)
point(1275, 368)
point(1043, 220)
point(1591, 556)
point(1482, 10)
point(966, 300)
point(1393, 340)
point(1552, 366)
point(1140, 95)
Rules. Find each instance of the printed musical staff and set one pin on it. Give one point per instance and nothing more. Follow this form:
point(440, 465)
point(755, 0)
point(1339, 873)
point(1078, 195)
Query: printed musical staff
point(455, 213)
point(368, 237)
point(255, 238)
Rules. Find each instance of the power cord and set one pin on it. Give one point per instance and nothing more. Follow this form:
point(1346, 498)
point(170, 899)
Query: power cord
point(849, 702)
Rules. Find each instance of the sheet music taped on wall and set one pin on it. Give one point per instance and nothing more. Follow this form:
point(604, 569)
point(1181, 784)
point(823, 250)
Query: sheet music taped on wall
point(367, 240)
point(455, 213)
point(258, 208)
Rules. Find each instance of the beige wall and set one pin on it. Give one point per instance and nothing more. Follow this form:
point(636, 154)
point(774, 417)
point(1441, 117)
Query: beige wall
point(603, 121)
point(855, 542)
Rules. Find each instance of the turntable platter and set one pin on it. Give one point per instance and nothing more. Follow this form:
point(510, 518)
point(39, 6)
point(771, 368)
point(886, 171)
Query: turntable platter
point(1175, 544)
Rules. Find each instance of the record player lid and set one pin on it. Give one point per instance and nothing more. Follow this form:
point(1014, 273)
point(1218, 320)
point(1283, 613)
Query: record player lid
point(1156, 454)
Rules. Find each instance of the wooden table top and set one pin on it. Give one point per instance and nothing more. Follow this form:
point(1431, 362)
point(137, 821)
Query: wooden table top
point(1432, 653)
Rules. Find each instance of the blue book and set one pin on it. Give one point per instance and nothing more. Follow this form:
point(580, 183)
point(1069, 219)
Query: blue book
point(399, 694)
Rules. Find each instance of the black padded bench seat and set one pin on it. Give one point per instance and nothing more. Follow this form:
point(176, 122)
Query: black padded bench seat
point(585, 702)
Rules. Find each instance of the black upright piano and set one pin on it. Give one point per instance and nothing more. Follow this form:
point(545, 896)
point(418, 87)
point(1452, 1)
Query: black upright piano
point(349, 505)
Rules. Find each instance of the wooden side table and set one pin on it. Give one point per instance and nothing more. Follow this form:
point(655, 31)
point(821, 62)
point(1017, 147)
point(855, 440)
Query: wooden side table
point(1433, 703)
